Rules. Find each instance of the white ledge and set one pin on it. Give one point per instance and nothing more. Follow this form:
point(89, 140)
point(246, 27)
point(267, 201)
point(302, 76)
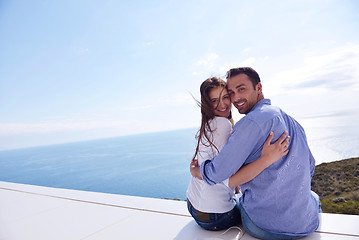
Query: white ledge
point(34, 212)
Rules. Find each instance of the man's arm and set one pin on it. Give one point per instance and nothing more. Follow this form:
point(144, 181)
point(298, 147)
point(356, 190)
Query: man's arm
point(246, 140)
point(270, 154)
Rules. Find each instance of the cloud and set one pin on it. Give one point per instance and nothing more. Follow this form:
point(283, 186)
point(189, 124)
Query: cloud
point(148, 44)
point(209, 60)
point(244, 63)
point(247, 62)
point(334, 70)
point(81, 50)
point(206, 64)
point(11, 129)
point(19, 135)
point(248, 49)
point(139, 107)
point(79, 123)
point(22, 135)
point(335, 80)
point(212, 64)
point(178, 98)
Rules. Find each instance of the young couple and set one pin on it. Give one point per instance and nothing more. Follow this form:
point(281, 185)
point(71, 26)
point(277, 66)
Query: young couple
point(275, 179)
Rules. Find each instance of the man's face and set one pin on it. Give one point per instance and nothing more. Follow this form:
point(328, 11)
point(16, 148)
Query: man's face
point(243, 95)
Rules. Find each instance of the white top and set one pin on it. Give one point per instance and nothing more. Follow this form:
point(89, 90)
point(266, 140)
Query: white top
point(217, 198)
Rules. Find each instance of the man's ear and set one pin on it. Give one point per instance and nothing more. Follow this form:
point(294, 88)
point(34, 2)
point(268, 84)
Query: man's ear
point(259, 87)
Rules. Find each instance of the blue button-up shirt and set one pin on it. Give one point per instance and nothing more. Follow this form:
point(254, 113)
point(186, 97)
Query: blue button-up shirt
point(279, 199)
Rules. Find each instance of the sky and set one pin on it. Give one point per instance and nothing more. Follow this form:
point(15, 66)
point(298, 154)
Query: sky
point(79, 70)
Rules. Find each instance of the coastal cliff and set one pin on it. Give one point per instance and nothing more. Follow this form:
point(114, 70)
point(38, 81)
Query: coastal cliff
point(337, 184)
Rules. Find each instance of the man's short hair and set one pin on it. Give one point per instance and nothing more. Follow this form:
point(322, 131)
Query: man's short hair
point(250, 72)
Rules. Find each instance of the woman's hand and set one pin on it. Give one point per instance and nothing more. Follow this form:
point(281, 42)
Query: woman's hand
point(194, 169)
point(273, 152)
point(270, 154)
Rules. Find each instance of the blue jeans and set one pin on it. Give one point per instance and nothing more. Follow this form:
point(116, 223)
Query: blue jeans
point(215, 221)
point(318, 201)
point(257, 232)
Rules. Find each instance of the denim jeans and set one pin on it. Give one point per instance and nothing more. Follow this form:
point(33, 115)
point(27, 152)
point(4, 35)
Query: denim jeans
point(257, 232)
point(215, 221)
point(318, 201)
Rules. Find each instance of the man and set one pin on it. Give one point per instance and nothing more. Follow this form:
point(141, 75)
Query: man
point(278, 203)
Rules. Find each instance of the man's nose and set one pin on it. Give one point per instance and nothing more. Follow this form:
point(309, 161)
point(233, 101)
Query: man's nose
point(235, 97)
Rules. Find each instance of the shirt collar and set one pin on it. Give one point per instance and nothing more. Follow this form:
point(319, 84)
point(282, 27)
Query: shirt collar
point(262, 102)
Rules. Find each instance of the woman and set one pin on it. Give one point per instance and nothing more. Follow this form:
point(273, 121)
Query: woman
point(214, 207)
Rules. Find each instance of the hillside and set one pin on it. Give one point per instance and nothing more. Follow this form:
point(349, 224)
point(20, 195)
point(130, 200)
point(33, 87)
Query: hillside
point(337, 184)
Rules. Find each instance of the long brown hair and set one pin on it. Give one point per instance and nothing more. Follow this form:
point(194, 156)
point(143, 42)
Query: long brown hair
point(207, 112)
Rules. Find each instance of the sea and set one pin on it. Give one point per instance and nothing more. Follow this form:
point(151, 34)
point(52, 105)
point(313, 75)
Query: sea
point(152, 165)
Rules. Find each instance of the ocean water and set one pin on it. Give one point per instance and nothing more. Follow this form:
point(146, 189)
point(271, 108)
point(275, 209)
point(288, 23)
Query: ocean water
point(151, 165)
point(333, 136)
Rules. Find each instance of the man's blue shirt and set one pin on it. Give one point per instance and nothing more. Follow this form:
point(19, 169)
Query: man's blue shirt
point(279, 199)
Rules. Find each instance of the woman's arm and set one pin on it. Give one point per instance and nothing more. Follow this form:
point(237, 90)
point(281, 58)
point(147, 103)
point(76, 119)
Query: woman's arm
point(270, 154)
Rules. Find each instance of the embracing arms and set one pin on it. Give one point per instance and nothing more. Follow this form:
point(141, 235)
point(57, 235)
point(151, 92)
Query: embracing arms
point(270, 154)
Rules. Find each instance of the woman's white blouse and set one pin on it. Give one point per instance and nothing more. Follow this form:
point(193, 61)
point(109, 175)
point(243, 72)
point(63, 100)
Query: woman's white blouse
point(217, 198)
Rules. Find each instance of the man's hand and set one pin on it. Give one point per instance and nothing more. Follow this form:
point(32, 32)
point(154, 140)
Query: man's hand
point(194, 169)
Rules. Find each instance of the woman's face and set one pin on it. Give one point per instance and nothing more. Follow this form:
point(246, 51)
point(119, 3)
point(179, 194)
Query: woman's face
point(220, 101)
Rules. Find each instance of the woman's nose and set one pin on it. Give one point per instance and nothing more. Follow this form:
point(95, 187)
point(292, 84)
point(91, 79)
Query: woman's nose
point(221, 104)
